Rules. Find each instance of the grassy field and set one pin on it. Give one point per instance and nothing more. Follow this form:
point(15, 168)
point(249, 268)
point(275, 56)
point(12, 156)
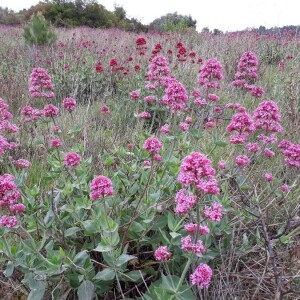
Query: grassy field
point(104, 187)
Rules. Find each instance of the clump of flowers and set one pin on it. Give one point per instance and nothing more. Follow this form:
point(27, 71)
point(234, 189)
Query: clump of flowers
point(69, 104)
point(210, 74)
point(162, 254)
point(201, 276)
point(196, 170)
point(158, 68)
point(72, 159)
point(291, 152)
point(242, 160)
point(152, 145)
point(41, 84)
point(184, 201)
point(267, 117)
point(10, 196)
point(213, 212)
point(241, 124)
point(101, 186)
point(175, 95)
point(51, 110)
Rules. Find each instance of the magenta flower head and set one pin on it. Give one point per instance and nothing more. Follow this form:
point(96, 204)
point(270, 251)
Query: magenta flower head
point(22, 163)
point(202, 276)
point(51, 111)
point(242, 160)
point(213, 212)
point(152, 145)
point(8, 221)
point(269, 177)
point(162, 253)
point(175, 95)
point(69, 104)
point(101, 186)
point(196, 169)
point(40, 84)
point(267, 117)
point(72, 159)
point(104, 110)
point(210, 73)
point(158, 68)
point(55, 143)
point(135, 95)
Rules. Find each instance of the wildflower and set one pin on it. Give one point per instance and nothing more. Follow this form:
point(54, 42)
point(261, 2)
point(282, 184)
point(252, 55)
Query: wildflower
point(184, 126)
point(101, 186)
point(144, 115)
point(196, 169)
point(69, 104)
point(147, 163)
point(72, 159)
point(253, 147)
point(22, 163)
point(165, 129)
point(157, 157)
point(201, 276)
point(285, 188)
point(175, 95)
point(158, 68)
point(41, 84)
point(222, 164)
point(184, 202)
point(162, 254)
point(152, 145)
point(135, 95)
point(188, 120)
point(291, 152)
point(210, 73)
point(269, 176)
point(8, 221)
point(50, 110)
point(213, 212)
point(242, 160)
point(267, 117)
point(149, 99)
point(188, 245)
point(55, 143)
point(268, 152)
point(104, 110)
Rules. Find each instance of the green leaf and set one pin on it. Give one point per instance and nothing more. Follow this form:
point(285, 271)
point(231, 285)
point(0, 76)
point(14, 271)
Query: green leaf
point(86, 290)
point(37, 289)
point(103, 248)
point(171, 222)
point(105, 275)
point(9, 269)
point(49, 218)
point(80, 258)
point(132, 276)
point(124, 258)
point(71, 231)
point(195, 133)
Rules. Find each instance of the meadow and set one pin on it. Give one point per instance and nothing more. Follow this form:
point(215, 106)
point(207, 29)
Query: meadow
point(150, 166)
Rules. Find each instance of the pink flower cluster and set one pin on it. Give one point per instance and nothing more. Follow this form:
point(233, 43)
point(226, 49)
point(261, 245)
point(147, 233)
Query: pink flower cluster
point(72, 159)
point(242, 124)
point(196, 170)
point(162, 254)
point(41, 84)
point(187, 244)
point(213, 212)
point(158, 68)
point(201, 276)
point(31, 114)
point(210, 73)
point(10, 196)
point(192, 228)
point(291, 152)
point(152, 145)
point(267, 117)
point(175, 95)
point(247, 72)
point(5, 125)
point(69, 104)
point(51, 110)
point(184, 201)
point(101, 186)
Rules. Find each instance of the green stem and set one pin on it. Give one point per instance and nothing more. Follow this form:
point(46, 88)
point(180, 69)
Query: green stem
point(186, 268)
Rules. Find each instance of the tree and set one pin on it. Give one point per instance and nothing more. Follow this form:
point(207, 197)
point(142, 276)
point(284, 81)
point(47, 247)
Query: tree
point(39, 31)
point(173, 21)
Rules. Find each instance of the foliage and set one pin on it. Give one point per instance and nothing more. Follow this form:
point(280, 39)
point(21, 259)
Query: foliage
point(173, 21)
point(38, 31)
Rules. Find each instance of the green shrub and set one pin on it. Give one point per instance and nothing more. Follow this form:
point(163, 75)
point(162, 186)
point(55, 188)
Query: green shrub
point(39, 31)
